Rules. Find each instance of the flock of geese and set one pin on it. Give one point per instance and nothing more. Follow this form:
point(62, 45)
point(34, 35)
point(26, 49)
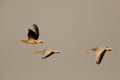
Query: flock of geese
point(33, 35)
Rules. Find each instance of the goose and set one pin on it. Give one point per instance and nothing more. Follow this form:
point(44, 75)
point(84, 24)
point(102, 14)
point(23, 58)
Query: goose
point(33, 35)
point(100, 51)
point(46, 52)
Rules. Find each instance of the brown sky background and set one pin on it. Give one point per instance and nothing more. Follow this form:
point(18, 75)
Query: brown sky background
point(71, 26)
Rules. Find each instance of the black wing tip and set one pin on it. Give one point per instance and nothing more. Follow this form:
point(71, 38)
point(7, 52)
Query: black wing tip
point(43, 58)
point(34, 24)
point(29, 29)
point(98, 63)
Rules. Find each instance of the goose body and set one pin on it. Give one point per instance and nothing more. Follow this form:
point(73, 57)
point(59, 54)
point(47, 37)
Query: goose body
point(46, 52)
point(33, 35)
point(100, 52)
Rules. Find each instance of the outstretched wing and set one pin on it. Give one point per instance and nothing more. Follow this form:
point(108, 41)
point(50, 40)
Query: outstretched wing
point(36, 29)
point(99, 56)
point(31, 34)
point(48, 55)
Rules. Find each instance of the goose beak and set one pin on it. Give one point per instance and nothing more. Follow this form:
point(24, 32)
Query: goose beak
point(109, 49)
point(57, 51)
point(88, 51)
point(34, 52)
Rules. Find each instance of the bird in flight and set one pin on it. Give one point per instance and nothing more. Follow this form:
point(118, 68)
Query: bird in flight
point(100, 51)
point(46, 52)
point(33, 35)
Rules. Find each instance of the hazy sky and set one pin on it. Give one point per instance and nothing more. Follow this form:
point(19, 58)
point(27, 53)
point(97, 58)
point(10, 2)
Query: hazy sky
point(71, 26)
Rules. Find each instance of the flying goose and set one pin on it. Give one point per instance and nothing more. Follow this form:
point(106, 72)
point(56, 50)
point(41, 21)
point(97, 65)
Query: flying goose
point(100, 51)
point(33, 35)
point(46, 52)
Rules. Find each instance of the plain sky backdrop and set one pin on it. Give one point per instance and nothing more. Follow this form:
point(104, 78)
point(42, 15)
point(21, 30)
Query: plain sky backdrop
point(71, 26)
